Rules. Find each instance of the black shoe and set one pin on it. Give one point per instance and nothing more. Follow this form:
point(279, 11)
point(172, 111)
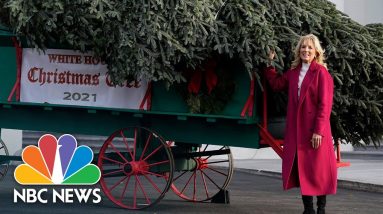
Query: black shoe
point(321, 211)
point(308, 204)
point(321, 203)
point(312, 211)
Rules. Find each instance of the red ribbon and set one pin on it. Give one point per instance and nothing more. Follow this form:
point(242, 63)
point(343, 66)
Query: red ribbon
point(211, 78)
point(195, 82)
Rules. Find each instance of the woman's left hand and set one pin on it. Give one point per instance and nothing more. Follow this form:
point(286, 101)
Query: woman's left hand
point(316, 140)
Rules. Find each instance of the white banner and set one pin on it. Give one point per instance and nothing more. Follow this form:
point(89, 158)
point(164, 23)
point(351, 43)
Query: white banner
point(73, 78)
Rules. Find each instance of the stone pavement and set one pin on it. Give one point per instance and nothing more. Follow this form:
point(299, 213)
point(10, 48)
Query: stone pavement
point(365, 172)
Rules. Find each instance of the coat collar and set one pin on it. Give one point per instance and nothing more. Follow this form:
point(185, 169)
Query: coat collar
point(306, 80)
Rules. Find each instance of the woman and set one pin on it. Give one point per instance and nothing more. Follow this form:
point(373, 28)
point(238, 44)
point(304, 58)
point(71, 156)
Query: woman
point(308, 158)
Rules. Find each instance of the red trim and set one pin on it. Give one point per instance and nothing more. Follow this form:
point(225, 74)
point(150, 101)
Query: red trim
point(16, 86)
point(147, 98)
point(339, 162)
point(266, 137)
point(270, 140)
point(342, 164)
point(277, 141)
point(338, 158)
point(264, 103)
point(249, 105)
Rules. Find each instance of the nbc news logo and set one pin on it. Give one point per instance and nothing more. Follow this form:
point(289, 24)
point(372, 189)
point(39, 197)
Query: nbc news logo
point(57, 162)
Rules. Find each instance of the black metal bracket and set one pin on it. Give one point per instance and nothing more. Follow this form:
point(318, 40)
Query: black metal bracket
point(222, 197)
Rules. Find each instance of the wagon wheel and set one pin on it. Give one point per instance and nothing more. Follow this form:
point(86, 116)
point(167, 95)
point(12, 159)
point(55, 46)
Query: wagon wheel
point(4, 164)
point(212, 171)
point(136, 168)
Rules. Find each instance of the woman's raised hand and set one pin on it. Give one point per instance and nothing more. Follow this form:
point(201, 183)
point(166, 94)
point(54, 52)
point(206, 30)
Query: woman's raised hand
point(271, 55)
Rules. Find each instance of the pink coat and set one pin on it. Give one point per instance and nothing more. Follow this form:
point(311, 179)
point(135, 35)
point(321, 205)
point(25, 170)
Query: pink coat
point(310, 114)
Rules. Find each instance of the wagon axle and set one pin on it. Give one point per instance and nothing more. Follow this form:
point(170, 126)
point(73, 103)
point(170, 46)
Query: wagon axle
point(136, 168)
point(201, 164)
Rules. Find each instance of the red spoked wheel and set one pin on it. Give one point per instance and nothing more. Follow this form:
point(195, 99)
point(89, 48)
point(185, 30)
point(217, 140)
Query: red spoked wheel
point(4, 163)
point(136, 168)
point(212, 171)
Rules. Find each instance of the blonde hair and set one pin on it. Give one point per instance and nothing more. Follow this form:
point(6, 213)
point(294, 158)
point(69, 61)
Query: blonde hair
point(319, 55)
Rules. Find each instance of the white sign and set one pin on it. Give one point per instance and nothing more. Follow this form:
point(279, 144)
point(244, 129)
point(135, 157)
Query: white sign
point(72, 78)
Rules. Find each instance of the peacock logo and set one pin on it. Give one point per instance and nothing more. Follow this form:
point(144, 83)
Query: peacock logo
point(56, 162)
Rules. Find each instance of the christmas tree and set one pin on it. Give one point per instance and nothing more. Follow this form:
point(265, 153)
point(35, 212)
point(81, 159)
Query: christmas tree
point(159, 39)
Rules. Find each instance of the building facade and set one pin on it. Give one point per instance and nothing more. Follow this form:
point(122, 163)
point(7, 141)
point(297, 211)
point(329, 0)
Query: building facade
point(362, 11)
